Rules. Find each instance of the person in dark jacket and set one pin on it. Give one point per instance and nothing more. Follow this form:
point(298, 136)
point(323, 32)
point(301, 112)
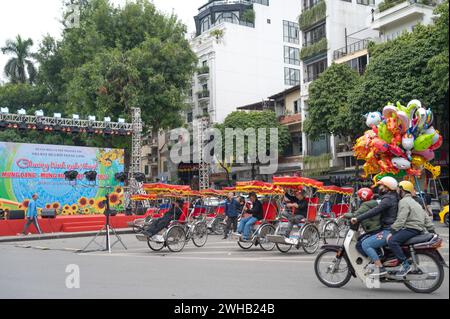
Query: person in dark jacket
point(300, 206)
point(159, 224)
point(246, 223)
point(232, 211)
point(387, 209)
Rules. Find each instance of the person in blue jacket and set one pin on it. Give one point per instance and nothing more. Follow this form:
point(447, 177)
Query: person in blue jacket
point(32, 215)
point(232, 211)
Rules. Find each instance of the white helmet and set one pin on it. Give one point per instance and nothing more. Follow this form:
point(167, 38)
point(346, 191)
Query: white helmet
point(389, 182)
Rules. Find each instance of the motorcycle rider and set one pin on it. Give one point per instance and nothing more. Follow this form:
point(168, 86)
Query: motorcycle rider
point(370, 225)
point(387, 209)
point(412, 220)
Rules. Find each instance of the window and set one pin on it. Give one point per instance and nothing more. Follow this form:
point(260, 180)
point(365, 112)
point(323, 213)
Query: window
point(189, 117)
point(205, 87)
point(308, 4)
point(313, 70)
point(366, 2)
point(320, 146)
point(147, 171)
point(314, 35)
point(206, 24)
point(291, 55)
point(291, 32)
point(227, 17)
point(205, 63)
point(269, 21)
point(358, 64)
point(296, 108)
point(291, 76)
point(263, 2)
point(165, 168)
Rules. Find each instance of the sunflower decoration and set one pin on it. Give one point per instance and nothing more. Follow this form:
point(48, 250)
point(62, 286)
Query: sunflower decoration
point(91, 202)
point(114, 199)
point(100, 205)
point(66, 208)
point(86, 211)
point(39, 210)
point(48, 206)
point(74, 208)
point(83, 201)
point(20, 206)
point(118, 190)
point(56, 205)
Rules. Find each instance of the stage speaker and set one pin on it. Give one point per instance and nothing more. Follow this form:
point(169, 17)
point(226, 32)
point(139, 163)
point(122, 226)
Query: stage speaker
point(16, 214)
point(48, 213)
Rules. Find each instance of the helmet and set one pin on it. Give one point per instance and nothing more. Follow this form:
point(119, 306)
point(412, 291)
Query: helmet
point(406, 186)
point(365, 194)
point(389, 182)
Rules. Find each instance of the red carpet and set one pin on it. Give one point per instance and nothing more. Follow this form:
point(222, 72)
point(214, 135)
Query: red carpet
point(67, 224)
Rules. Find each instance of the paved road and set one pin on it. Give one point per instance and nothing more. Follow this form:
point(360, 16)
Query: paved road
point(219, 270)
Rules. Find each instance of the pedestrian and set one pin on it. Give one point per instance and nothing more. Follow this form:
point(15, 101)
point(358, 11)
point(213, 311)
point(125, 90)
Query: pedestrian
point(232, 211)
point(32, 215)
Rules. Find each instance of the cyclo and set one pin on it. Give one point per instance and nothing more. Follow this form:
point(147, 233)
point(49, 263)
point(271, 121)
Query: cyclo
point(331, 225)
point(214, 210)
point(305, 234)
point(190, 226)
point(266, 226)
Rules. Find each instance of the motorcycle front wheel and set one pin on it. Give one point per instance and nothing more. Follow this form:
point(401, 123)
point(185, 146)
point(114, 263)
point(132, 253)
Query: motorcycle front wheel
point(332, 271)
point(428, 264)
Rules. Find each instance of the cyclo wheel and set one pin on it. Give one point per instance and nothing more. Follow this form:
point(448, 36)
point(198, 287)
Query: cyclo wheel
point(310, 238)
point(200, 234)
point(332, 271)
point(428, 263)
point(330, 230)
point(176, 238)
point(267, 229)
point(217, 227)
point(284, 248)
point(155, 246)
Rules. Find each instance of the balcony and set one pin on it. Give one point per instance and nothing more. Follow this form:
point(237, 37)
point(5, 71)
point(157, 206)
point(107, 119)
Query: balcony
point(351, 49)
point(391, 13)
point(314, 49)
point(203, 95)
point(290, 119)
point(203, 73)
point(313, 15)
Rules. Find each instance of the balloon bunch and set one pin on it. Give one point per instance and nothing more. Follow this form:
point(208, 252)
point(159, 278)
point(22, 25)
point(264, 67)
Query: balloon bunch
point(401, 141)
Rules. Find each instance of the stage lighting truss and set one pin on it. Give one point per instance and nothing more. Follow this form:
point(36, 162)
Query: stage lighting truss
point(58, 124)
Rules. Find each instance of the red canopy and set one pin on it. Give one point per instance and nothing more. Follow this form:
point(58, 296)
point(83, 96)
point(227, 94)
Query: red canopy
point(332, 189)
point(296, 181)
point(258, 187)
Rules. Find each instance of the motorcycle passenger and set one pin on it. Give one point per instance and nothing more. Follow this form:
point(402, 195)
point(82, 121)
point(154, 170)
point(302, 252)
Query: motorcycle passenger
point(246, 224)
point(387, 209)
point(370, 225)
point(412, 220)
point(300, 205)
point(159, 224)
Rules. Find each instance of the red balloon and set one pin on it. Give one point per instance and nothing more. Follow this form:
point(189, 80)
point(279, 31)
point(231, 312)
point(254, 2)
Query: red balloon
point(438, 144)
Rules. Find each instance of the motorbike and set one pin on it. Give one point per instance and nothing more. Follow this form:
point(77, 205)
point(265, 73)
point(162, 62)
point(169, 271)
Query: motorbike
point(335, 265)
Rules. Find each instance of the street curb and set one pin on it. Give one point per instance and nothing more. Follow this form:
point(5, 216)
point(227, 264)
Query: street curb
point(59, 236)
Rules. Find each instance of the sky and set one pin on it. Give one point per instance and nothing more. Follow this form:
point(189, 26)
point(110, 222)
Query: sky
point(36, 18)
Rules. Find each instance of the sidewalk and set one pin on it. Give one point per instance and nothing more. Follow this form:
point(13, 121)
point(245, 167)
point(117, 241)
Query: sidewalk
point(10, 239)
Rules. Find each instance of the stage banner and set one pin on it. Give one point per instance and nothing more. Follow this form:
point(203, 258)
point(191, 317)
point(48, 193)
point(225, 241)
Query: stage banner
point(26, 169)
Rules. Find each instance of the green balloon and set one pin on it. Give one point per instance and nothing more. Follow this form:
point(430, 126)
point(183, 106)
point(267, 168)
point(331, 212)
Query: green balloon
point(423, 142)
point(384, 133)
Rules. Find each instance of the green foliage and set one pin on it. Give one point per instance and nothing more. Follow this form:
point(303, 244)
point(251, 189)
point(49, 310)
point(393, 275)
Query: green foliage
point(314, 49)
point(217, 33)
point(399, 71)
point(317, 165)
point(328, 105)
point(256, 120)
point(20, 68)
point(248, 16)
point(387, 4)
point(313, 15)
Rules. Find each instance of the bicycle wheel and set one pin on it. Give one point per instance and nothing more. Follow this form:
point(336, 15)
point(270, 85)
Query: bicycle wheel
point(284, 248)
point(200, 234)
point(265, 230)
point(176, 239)
point(310, 238)
point(217, 227)
point(332, 271)
point(245, 244)
point(155, 246)
point(428, 265)
point(330, 230)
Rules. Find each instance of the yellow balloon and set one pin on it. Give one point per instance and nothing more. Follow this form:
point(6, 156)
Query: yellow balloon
point(418, 160)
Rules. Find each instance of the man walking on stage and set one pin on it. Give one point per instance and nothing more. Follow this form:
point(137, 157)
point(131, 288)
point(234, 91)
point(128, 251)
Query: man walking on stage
point(32, 215)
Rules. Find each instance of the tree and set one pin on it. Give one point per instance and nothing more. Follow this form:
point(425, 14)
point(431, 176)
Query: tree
point(328, 105)
point(254, 120)
point(399, 71)
point(121, 58)
point(19, 69)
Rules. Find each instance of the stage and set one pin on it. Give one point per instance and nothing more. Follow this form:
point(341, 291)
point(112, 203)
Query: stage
point(66, 224)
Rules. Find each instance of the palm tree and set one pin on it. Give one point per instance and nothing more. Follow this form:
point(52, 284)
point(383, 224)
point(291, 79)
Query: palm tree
point(15, 67)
